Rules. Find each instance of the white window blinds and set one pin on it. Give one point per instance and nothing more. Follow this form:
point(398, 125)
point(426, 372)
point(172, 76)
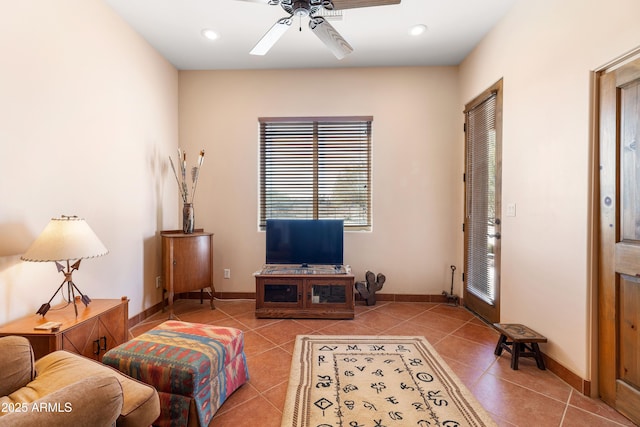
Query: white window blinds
point(316, 168)
point(481, 199)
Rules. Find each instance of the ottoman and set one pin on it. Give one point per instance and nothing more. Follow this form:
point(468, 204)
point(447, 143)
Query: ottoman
point(194, 367)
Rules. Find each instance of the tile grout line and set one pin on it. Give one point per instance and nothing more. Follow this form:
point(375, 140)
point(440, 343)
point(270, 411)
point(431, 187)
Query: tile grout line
point(566, 407)
point(567, 412)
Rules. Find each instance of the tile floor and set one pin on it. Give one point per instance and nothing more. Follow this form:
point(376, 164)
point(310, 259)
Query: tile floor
point(527, 397)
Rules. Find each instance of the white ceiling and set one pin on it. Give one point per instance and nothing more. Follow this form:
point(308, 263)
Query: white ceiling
point(379, 35)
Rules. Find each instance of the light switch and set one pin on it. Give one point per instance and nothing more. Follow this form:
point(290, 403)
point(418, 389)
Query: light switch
point(511, 209)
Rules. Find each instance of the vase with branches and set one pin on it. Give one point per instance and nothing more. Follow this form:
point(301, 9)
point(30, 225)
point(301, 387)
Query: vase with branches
point(188, 216)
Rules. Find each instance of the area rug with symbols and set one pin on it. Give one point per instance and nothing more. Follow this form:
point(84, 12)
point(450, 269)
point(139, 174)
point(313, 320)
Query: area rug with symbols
point(375, 381)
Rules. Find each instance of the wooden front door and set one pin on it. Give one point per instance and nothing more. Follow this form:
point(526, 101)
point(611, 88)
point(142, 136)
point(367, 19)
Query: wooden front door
point(619, 240)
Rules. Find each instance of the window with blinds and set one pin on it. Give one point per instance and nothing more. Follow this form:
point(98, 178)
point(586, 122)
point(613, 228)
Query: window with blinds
point(316, 168)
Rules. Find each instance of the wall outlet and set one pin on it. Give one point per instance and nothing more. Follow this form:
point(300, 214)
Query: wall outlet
point(227, 273)
point(158, 281)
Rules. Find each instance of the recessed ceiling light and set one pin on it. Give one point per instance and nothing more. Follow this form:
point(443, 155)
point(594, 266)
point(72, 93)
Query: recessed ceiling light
point(416, 30)
point(208, 33)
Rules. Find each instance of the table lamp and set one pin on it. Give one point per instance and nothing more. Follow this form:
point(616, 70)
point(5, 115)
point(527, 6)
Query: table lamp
point(64, 239)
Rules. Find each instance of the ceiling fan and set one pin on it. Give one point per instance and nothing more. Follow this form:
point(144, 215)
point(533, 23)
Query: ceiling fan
point(320, 27)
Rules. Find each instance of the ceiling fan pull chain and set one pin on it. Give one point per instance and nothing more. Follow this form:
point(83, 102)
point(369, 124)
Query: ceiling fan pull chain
point(300, 23)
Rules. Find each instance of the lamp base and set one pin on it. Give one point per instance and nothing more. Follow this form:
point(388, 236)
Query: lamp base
point(71, 288)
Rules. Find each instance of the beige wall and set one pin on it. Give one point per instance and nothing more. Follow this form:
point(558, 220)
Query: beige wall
point(546, 51)
point(417, 165)
point(88, 115)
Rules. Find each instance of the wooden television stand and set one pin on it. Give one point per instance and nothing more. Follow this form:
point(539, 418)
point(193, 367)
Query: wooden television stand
point(320, 292)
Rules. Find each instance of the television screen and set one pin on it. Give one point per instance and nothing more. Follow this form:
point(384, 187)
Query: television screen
point(305, 241)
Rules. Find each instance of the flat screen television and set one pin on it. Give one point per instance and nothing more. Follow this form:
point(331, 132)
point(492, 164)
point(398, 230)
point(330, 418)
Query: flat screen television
point(305, 241)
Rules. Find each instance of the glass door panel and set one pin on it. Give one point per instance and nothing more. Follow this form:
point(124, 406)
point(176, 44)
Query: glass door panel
point(328, 294)
point(280, 293)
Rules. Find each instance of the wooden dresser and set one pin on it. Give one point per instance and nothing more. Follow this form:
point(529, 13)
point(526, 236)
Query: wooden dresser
point(100, 326)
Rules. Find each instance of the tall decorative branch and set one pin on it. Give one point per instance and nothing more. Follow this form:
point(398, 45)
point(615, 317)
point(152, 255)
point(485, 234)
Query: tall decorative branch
point(195, 174)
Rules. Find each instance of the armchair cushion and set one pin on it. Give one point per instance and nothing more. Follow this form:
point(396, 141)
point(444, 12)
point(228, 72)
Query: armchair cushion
point(17, 366)
point(94, 401)
point(61, 368)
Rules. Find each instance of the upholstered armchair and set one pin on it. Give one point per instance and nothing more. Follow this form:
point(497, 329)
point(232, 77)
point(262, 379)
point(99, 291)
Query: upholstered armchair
point(65, 389)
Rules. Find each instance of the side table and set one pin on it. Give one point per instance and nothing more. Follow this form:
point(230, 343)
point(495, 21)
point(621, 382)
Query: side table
point(187, 264)
point(100, 326)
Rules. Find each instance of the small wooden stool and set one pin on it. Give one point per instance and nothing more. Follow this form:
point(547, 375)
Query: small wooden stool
point(523, 343)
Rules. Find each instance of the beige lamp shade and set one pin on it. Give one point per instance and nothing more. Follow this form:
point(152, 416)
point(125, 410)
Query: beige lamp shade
point(65, 238)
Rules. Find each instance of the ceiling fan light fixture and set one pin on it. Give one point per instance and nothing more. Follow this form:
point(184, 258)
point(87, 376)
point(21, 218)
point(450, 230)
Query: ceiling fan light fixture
point(418, 29)
point(209, 34)
point(300, 9)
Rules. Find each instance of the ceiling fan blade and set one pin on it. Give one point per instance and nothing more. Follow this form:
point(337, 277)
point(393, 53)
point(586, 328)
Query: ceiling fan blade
point(272, 36)
point(330, 37)
point(352, 4)
point(260, 1)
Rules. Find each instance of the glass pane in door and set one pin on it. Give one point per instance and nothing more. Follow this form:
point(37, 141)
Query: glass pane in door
point(280, 293)
point(481, 206)
point(328, 294)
